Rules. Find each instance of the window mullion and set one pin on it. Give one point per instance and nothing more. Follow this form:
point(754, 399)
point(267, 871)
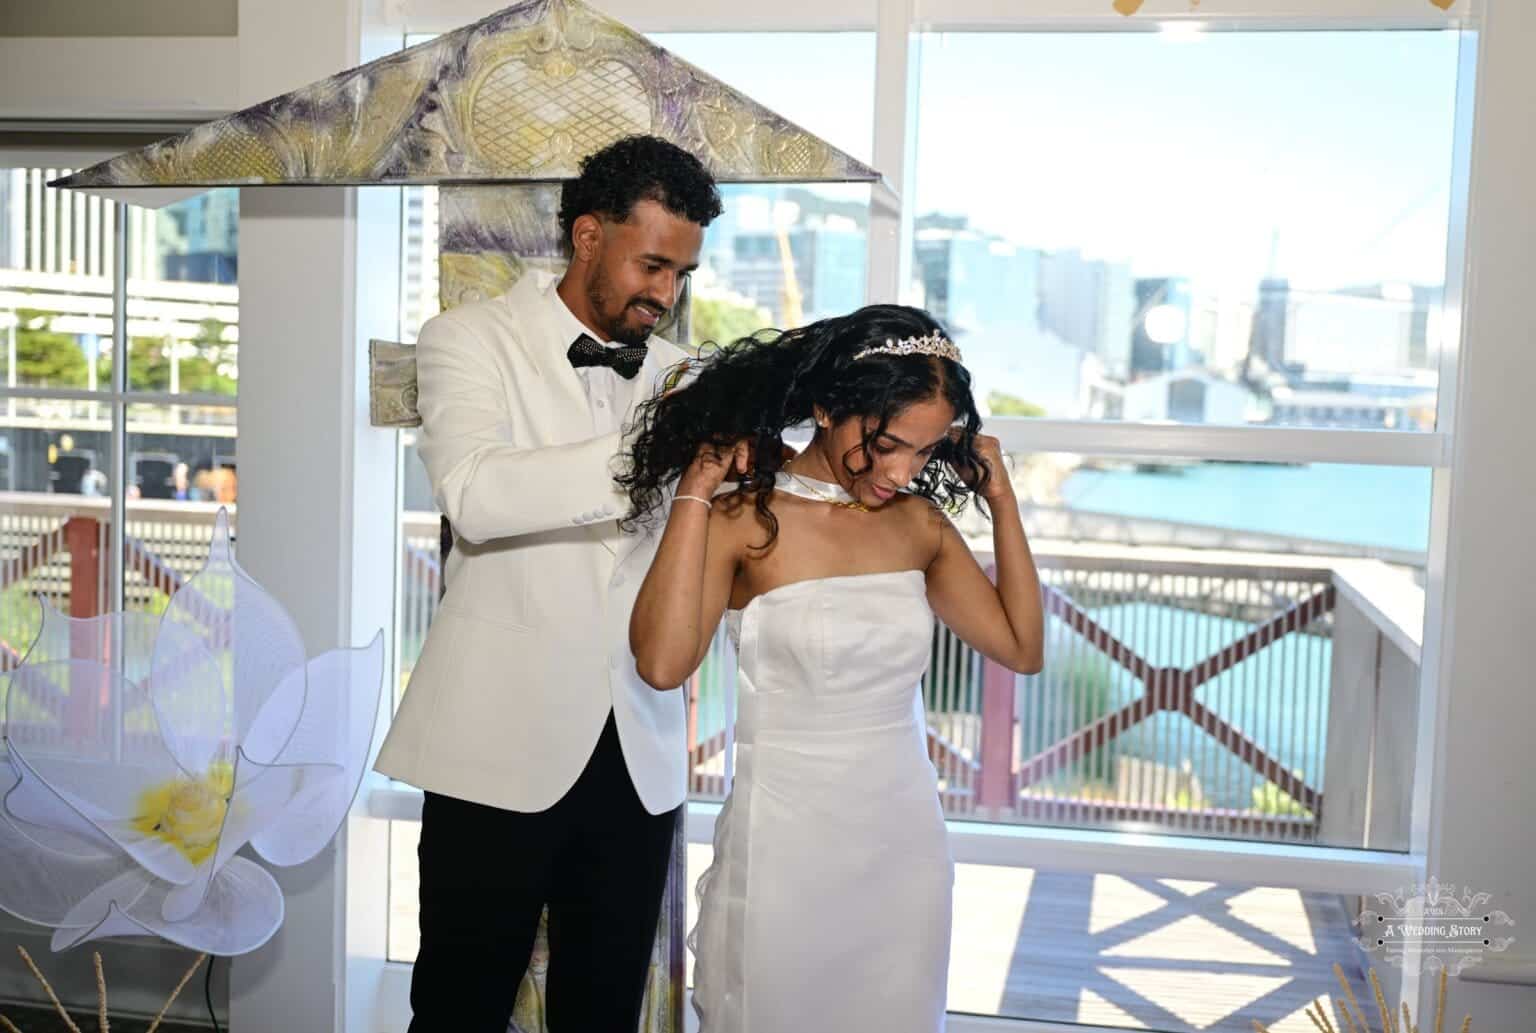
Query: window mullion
point(117, 462)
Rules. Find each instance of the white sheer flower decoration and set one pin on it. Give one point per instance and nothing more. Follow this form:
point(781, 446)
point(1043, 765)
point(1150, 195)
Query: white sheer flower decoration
point(143, 752)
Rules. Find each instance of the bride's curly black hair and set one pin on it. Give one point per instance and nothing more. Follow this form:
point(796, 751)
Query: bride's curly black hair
point(759, 386)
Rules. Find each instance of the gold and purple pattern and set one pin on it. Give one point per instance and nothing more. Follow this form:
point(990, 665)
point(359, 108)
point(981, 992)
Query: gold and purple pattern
point(522, 95)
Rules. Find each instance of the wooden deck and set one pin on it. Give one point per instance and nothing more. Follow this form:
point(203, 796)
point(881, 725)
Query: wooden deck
point(1155, 954)
point(1146, 954)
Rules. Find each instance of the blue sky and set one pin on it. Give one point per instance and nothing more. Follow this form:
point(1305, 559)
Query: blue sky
point(1191, 158)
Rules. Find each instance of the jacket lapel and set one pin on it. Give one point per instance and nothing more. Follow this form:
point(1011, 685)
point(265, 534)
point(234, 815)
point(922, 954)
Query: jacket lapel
point(567, 416)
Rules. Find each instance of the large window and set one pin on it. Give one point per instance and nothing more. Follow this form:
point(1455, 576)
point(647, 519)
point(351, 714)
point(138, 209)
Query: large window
point(62, 258)
point(1188, 281)
point(1175, 226)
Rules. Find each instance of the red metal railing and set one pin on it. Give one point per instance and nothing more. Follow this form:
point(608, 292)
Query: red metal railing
point(993, 760)
point(983, 774)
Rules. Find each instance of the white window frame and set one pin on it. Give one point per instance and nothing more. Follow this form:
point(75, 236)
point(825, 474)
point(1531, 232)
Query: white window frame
point(1099, 16)
point(897, 25)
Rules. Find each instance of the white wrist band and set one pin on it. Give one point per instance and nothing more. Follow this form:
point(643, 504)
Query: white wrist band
point(693, 498)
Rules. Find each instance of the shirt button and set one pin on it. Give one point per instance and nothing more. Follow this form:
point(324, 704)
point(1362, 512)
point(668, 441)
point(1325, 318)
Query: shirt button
point(602, 404)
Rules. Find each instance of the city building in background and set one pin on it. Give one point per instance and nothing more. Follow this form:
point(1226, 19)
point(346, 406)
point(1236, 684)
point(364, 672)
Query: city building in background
point(1058, 334)
point(1190, 395)
point(796, 253)
point(1354, 330)
point(418, 260)
point(57, 260)
point(1090, 304)
point(1160, 328)
point(198, 240)
point(1046, 333)
point(988, 292)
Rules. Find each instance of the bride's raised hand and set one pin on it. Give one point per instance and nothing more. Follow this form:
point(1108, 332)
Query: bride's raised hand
point(712, 465)
point(990, 451)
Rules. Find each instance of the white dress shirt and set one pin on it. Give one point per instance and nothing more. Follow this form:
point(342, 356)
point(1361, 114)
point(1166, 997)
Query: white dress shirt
point(600, 382)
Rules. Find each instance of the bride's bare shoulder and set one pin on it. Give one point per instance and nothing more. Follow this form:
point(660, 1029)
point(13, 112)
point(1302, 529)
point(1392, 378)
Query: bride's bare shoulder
point(740, 525)
point(925, 519)
point(917, 508)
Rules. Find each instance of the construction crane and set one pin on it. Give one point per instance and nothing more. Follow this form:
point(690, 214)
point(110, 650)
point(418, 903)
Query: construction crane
point(789, 293)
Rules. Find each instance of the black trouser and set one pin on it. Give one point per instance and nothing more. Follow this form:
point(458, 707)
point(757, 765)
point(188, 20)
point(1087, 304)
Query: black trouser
point(597, 858)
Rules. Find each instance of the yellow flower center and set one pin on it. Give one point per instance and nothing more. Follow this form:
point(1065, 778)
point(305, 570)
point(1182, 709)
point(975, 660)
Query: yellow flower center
point(188, 813)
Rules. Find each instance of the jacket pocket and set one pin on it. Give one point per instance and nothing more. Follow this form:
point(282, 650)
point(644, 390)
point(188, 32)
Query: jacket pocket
point(489, 583)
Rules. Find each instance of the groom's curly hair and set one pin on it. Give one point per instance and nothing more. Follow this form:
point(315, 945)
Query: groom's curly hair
point(634, 169)
point(760, 386)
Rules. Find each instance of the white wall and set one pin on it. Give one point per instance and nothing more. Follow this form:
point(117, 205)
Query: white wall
point(117, 78)
point(120, 18)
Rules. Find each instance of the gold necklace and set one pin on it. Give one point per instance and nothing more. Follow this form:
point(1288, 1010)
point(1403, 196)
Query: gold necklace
point(848, 503)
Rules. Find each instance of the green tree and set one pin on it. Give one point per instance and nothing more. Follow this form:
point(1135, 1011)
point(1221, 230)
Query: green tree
point(44, 356)
point(214, 355)
point(1003, 404)
point(1072, 693)
point(720, 320)
point(149, 363)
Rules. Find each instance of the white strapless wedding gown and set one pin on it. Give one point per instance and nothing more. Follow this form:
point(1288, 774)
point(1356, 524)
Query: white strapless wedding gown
point(827, 908)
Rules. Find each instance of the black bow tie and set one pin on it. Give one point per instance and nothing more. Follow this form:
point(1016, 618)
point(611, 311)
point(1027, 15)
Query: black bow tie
point(625, 361)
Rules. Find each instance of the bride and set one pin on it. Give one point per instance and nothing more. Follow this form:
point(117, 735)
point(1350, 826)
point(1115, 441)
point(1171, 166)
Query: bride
point(828, 903)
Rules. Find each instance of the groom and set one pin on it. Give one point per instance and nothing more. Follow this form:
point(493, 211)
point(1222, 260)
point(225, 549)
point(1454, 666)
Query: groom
point(552, 773)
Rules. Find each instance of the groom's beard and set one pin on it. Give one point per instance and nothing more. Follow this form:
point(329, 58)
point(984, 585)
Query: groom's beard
point(617, 319)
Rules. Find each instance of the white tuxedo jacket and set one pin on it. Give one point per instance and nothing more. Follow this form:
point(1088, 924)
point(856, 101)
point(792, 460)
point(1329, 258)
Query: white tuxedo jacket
point(529, 648)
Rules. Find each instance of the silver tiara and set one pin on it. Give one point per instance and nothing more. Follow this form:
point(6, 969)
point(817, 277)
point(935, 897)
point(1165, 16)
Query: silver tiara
point(929, 344)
